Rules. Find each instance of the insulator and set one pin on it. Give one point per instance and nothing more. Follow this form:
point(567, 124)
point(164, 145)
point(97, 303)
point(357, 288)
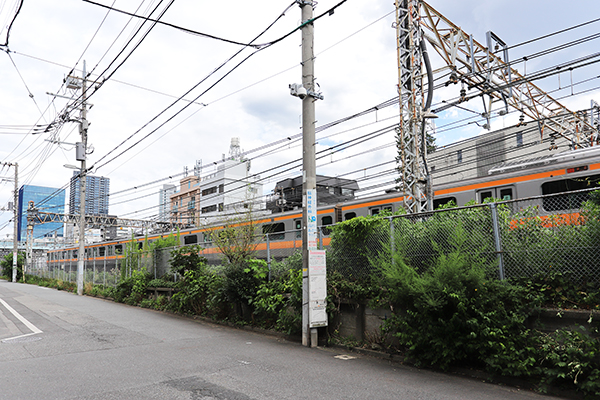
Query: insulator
point(453, 78)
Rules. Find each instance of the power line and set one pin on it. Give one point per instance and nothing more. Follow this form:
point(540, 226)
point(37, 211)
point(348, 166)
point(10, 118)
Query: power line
point(19, 6)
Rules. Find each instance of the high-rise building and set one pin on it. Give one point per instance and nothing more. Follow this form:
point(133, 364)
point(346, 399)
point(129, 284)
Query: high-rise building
point(45, 199)
point(164, 202)
point(96, 195)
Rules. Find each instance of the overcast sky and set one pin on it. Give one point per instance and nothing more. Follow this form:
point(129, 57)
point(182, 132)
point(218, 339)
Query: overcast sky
point(356, 68)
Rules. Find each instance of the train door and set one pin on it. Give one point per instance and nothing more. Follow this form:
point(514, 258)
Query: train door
point(501, 192)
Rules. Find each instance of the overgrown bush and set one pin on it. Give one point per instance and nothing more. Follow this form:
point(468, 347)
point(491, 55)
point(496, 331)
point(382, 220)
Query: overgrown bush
point(453, 315)
point(560, 290)
point(7, 266)
point(242, 282)
point(354, 242)
point(132, 290)
point(278, 303)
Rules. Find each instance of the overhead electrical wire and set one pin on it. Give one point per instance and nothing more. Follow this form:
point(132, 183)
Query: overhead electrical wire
point(18, 10)
point(41, 160)
point(551, 34)
point(328, 12)
point(261, 172)
point(180, 28)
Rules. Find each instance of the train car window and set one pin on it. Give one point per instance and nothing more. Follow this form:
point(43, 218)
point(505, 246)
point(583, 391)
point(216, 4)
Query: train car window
point(443, 201)
point(74, 253)
point(377, 210)
point(486, 194)
point(502, 193)
point(118, 249)
point(567, 201)
point(506, 194)
point(207, 236)
point(349, 215)
point(326, 220)
point(272, 229)
point(102, 251)
point(190, 239)
point(298, 228)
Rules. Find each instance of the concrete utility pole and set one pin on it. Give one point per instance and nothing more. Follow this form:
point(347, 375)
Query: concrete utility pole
point(16, 224)
point(309, 186)
point(80, 156)
point(29, 243)
point(15, 219)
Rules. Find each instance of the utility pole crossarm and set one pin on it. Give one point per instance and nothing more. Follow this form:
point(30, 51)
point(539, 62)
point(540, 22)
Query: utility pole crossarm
point(487, 70)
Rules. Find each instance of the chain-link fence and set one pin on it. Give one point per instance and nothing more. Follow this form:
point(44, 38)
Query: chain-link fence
point(516, 238)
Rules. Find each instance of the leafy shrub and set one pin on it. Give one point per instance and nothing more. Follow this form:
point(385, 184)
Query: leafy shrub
point(452, 315)
point(278, 303)
point(161, 283)
point(132, 290)
point(567, 358)
point(242, 283)
point(196, 294)
point(350, 252)
point(7, 266)
point(558, 289)
point(187, 259)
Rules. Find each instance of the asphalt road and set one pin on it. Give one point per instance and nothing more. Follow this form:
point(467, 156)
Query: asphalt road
point(88, 348)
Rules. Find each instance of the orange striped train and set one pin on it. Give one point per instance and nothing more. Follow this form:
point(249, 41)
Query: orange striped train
point(547, 175)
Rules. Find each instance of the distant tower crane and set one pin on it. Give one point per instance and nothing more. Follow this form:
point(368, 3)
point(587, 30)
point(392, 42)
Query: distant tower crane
point(482, 71)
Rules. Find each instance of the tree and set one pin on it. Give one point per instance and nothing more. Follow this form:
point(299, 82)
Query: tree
point(7, 265)
point(237, 238)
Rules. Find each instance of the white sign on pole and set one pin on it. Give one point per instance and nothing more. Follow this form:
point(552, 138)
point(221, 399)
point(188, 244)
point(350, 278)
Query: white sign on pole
point(311, 213)
point(317, 288)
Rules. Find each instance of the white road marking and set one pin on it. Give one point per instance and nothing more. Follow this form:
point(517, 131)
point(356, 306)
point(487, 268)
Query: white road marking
point(34, 330)
point(344, 357)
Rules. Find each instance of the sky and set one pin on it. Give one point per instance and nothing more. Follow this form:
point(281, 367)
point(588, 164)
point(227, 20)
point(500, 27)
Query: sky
point(133, 98)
